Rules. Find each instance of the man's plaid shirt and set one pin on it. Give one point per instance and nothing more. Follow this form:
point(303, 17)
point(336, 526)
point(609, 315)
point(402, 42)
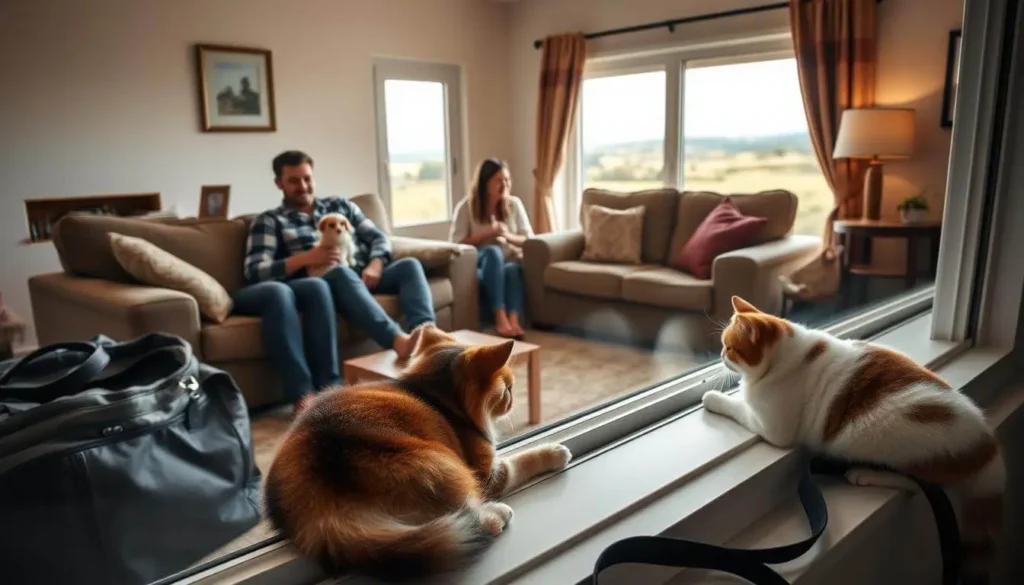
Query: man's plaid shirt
point(276, 234)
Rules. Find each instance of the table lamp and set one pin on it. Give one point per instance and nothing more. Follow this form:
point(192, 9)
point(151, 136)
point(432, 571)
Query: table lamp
point(876, 134)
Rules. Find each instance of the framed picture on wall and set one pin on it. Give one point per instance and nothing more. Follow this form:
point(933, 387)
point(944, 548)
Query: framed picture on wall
point(236, 89)
point(952, 78)
point(214, 201)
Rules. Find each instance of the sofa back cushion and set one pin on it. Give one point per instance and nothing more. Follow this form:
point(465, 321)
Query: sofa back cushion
point(778, 207)
point(215, 246)
point(659, 216)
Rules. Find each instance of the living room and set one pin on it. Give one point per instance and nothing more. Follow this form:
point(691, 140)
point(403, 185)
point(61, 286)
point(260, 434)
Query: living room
point(399, 101)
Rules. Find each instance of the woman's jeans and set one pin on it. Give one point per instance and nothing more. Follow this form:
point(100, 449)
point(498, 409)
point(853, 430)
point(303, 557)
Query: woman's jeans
point(500, 282)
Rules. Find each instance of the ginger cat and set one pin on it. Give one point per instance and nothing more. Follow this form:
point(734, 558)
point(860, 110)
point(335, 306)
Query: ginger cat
point(399, 480)
point(865, 403)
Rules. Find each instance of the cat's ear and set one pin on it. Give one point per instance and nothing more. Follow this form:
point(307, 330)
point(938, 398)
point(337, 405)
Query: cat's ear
point(741, 306)
point(488, 359)
point(749, 327)
point(426, 336)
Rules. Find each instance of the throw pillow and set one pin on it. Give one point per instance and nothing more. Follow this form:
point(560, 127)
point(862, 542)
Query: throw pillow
point(613, 235)
point(723, 230)
point(155, 266)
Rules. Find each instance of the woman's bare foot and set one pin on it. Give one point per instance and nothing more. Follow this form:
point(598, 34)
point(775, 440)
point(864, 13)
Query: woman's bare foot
point(513, 321)
point(501, 324)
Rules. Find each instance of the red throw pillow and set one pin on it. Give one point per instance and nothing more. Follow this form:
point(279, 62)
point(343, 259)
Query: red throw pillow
point(723, 230)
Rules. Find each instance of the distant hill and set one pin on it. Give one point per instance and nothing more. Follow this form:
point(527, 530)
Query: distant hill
point(799, 142)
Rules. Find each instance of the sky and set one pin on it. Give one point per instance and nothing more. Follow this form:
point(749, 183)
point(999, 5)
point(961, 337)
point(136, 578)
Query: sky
point(737, 100)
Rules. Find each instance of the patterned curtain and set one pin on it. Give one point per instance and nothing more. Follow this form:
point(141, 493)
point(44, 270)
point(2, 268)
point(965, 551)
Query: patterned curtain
point(561, 77)
point(835, 45)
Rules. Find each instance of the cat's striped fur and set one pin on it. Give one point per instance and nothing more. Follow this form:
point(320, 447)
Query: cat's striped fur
point(866, 403)
point(400, 480)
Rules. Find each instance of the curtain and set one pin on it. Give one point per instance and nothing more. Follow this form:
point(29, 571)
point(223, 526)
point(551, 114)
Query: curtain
point(835, 44)
point(561, 77)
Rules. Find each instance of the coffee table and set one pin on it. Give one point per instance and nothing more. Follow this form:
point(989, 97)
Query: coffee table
point(384, 365)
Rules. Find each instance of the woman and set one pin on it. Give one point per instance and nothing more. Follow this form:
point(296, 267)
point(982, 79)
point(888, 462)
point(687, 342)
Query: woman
point(495, 222)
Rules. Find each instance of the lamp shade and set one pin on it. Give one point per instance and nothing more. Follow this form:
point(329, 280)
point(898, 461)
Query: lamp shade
point(875, 132)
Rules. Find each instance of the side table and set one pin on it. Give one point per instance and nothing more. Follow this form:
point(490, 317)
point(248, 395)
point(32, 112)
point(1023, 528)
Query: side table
point(12, 329)
point(858, 261)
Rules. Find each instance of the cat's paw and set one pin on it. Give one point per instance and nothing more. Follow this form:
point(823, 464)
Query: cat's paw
point(716, 402)
point(874, 478)
point(495, 517)
point(558, 456)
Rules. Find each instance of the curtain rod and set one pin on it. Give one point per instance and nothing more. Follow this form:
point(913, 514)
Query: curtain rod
point(671, 24)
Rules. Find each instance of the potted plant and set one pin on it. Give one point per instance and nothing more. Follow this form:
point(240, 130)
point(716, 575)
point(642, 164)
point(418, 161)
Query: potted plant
point(913, 209)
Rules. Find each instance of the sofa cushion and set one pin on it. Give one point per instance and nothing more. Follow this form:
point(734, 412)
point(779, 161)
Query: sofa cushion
point(240, 337)
point(723, 230)
point(152, 265)
point(659, 217)
point(778, 207)
point(613, 235)
point(668, 288)
point(589, 279)
point(216, 247)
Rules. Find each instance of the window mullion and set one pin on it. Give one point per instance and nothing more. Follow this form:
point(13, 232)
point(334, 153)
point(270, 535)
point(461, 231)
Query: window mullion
point(673, 123)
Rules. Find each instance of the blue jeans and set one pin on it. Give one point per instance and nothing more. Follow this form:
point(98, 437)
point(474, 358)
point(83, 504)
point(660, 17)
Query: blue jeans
point(403, 277)
point(501, 282)
point(306, 358)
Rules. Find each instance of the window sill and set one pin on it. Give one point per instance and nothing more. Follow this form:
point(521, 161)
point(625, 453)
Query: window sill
point(688, 475)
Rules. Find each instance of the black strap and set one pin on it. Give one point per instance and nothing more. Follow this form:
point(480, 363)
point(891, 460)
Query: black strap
point(751, 564)
point(53, 371)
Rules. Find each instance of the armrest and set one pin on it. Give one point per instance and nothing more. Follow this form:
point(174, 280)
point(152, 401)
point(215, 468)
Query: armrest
point(431, 253)
point(541, 251)
point(753, 272)
point(70, 308)
point(457, 262)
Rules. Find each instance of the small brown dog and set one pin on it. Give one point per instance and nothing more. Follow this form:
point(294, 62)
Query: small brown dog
point(335, 232)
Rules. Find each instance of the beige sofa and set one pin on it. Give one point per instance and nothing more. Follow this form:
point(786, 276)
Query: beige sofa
point(93, 294)
point(652, 303)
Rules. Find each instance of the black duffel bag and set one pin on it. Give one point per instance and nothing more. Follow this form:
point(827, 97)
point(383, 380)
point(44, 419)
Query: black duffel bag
point(120, 462)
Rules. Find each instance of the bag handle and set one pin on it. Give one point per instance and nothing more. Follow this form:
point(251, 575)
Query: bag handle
point(68, 383)
point(751, 564)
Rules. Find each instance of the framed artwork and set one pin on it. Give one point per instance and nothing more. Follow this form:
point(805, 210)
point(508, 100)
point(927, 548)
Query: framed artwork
point(214, 201)
point(236, 89)
point(952, 78)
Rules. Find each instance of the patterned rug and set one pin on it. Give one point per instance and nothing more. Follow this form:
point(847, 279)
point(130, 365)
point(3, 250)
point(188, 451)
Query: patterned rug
point(576, 374)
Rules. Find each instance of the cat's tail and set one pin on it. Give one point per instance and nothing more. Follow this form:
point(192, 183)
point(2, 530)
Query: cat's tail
point(981, 520)
point(389, 550)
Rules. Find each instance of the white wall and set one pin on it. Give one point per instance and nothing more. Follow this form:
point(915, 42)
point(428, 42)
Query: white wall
point(99, 97)
point(911, 53)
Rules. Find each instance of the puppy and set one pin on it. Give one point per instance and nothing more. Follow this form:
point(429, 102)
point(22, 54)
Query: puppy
point(335, 232)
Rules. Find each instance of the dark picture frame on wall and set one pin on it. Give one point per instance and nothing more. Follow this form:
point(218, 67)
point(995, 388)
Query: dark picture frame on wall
point(236, 88)
point(952, 77)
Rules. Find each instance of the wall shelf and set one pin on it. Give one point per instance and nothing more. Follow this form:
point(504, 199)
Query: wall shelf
point(41, 214)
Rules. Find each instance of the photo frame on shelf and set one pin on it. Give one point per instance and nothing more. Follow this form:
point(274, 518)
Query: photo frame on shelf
point(214, 201)
point(236, 88)
point(952, 78)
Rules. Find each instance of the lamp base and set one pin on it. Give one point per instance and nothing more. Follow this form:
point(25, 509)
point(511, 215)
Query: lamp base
point(872, 203)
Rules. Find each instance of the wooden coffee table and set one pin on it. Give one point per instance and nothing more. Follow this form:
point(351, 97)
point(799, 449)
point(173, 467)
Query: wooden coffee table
point(384, 365)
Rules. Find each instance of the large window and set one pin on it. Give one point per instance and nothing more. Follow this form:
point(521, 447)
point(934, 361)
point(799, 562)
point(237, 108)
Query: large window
point(419, 140)
point(744, 130)
point(622, 141)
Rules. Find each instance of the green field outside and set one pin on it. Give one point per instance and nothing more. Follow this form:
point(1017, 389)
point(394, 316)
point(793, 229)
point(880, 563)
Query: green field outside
point(418, 200)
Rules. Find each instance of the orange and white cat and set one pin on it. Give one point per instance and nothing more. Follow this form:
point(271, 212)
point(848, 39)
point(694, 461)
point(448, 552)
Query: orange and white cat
point(866, 403)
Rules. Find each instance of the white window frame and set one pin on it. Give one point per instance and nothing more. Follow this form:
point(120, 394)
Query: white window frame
point(450, 76)
point(685, 465)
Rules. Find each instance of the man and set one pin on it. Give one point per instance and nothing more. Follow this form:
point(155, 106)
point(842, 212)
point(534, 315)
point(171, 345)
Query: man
point(282, 243)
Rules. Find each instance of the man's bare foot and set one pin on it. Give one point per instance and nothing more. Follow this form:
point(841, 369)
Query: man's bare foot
point(403, 346)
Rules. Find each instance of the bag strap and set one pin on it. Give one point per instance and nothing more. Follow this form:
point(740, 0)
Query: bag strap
point(751, 564)
point(86, 360)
